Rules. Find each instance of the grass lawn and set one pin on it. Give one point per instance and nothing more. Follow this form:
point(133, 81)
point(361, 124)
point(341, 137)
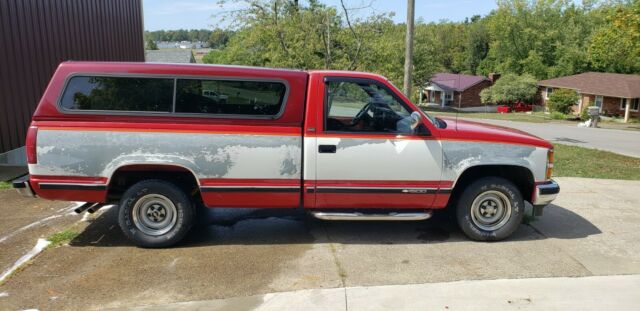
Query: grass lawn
point(4, 185)
point(571, 161)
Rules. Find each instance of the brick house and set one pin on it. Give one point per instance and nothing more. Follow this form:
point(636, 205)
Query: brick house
point(616, 94)
point(456, 90)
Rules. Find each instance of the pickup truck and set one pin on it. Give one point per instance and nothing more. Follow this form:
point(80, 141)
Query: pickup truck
point(340, 145)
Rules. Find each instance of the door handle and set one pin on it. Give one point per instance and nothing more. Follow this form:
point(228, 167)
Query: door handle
point(327, 148)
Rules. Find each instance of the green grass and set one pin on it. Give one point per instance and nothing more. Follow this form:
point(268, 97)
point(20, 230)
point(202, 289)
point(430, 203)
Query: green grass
point(62, 237)
point(5, 185)
point(572, 161)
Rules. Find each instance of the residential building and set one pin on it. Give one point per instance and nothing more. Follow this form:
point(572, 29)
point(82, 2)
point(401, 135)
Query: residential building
point(169, 56)
point(457, 90)
point(615, 94)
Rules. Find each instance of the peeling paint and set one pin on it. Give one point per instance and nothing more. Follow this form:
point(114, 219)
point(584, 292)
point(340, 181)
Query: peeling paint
point(458, 156)
point(96, 153)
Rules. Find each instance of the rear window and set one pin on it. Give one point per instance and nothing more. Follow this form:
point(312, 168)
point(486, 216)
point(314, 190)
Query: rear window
point(229, 97)
point(118, 94)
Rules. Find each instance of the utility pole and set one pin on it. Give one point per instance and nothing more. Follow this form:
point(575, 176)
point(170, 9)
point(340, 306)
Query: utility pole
point(408, 54)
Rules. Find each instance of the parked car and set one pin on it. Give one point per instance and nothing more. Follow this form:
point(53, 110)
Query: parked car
point(341, 145)
point(517, 107)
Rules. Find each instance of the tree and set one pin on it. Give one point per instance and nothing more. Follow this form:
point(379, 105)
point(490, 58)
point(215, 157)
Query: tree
point(511, 88)
point(477, 45)
point(562, 100)
point(218, 38)
point(151, 45)
point(616, 45)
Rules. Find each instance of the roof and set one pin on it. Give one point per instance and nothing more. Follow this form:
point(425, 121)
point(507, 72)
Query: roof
point(169, 56)
point(456, 82)
point(599, 83)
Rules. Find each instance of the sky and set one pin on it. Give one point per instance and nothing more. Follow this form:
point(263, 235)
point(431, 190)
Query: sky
point(197, 14)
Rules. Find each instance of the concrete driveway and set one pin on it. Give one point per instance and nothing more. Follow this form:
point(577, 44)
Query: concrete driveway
point(618, 141)
point(592, 230)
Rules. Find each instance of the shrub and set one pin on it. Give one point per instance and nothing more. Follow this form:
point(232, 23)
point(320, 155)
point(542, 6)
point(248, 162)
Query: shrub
point(584, 115)
point(556, 115)
point(561, 100)
point(510, 88)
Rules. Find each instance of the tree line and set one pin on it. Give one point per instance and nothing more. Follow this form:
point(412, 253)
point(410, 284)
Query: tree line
point(538, 38)
point(213, 38)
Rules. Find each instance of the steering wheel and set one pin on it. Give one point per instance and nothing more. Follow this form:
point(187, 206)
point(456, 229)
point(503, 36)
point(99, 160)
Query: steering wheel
point(360, 114)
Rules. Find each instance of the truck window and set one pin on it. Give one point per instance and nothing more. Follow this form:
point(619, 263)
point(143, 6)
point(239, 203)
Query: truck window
point(118, 94)
point(230, 97)
point(364, 106)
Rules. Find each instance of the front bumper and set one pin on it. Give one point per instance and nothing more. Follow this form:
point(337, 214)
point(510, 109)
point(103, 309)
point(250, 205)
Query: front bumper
point(22, 185)
point(544, 194)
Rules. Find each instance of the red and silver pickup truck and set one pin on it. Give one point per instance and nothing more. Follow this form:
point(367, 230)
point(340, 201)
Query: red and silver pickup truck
point(342, 145)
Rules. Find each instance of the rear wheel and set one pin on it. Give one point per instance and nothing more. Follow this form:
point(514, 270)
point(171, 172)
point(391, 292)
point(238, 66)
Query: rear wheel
point(490, 209)
point(155, 213)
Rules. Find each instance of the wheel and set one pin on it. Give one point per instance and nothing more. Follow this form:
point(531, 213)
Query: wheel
point(490, 209)
point(155, 213)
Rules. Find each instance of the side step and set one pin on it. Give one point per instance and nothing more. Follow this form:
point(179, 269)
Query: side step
point(372, 216)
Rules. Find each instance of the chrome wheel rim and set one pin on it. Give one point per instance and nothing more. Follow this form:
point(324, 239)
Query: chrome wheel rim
point(154, 214)
point(491, 210)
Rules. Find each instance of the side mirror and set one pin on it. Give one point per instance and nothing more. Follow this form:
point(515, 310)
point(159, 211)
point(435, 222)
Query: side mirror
point(415, 119)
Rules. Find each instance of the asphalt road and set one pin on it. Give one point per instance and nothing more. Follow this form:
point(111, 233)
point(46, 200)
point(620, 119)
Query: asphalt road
point(591, 230)
point(619, 141)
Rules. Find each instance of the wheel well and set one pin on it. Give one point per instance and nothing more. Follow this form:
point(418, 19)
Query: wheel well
point(519, 175)
point(126, 176)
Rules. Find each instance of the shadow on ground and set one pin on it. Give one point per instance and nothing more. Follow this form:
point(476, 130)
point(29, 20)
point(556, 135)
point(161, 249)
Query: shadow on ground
point(266, 227)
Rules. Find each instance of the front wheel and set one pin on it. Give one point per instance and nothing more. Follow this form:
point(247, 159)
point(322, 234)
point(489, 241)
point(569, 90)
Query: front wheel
point(490, 209)
point(155, 213)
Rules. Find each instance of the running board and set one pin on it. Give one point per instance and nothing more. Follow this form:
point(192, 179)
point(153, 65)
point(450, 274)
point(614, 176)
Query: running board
point(371, 216)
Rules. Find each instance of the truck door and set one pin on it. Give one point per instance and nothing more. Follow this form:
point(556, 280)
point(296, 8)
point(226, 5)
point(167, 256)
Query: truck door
point(367, 155)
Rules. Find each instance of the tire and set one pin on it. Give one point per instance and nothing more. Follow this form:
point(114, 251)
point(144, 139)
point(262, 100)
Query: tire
point(155, 213)
point(490, 209)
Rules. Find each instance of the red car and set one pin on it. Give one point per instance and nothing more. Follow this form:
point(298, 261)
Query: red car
point(517, 107)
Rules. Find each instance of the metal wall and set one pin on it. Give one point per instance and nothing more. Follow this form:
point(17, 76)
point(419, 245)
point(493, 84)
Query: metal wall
point(36, 35)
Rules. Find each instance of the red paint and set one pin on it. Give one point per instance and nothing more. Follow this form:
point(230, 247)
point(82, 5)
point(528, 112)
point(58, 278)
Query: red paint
point(251, 199)
point(69, 195)
point(479, 132)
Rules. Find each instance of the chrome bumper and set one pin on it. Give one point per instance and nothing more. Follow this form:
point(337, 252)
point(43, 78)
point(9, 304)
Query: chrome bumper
point(23, 187)
point(545, 193)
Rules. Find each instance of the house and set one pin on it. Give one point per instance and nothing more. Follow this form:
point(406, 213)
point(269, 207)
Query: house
point(616, 94)
point(169, 56)
point(457, 90)
point(36, 37)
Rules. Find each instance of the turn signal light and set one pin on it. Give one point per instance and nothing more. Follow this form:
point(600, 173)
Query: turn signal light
point(550, 159)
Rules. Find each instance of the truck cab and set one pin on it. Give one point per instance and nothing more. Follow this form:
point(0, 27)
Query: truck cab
point(160, 139)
